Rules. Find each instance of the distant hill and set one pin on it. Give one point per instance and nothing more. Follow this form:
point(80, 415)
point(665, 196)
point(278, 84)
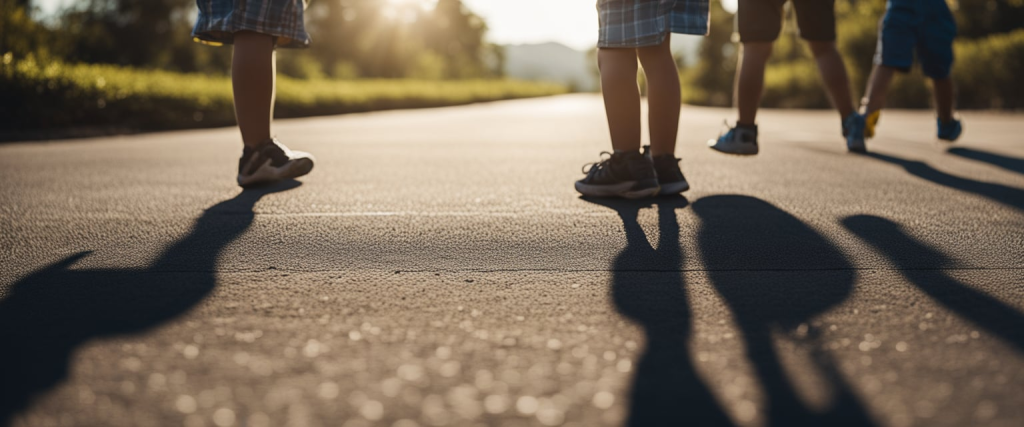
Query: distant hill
point(552, 62)
point(559, 63)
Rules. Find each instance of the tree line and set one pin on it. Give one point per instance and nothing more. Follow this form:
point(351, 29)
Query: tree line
point(351, 38)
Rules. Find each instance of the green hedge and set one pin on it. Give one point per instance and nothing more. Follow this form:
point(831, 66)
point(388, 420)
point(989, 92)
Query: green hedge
point(988, 73)
point(46, 96)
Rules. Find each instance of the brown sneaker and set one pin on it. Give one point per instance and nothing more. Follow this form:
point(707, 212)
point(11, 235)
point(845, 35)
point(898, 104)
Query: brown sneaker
point(670, 176)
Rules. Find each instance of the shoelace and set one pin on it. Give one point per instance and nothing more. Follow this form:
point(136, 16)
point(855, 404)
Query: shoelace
point(601, 164)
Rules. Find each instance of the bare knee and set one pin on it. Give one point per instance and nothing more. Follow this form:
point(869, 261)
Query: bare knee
point(613, 61)
point(756, 51)
point(654, 53)
point(822, 48)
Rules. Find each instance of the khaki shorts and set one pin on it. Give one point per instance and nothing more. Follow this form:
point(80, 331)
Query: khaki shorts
point(761, 20)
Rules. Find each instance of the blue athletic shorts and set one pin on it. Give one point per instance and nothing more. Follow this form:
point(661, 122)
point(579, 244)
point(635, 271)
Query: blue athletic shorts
point(926, 26)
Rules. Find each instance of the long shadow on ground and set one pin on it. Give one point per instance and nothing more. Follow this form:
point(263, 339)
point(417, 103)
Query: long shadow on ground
point(1009, 196)
point(923, 266)
point(776, 274)
point(1011, 164)
point(647, 287)
point(51, 312)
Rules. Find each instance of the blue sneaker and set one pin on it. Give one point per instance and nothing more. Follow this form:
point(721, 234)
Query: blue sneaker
point(853, 128)
point(951, 130)
point(741, 140)
point(628, 174)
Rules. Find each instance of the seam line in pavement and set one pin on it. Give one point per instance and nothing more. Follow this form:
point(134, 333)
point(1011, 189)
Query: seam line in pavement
point(541, 270)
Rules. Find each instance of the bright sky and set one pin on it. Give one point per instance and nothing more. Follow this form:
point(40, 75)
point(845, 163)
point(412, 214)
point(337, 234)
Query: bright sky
point(570, 22)
point(50, 6)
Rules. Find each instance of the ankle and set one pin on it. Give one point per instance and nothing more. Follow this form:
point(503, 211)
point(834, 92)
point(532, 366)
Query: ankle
point(658, 154)
point(256, 144)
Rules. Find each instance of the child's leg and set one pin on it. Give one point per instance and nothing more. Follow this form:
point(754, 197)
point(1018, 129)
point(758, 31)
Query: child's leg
point(833, 75)
point(878, 88)
point(664, 96)
point(253, 75)
point(944, 98)
point(621, 96)
point(750, 80)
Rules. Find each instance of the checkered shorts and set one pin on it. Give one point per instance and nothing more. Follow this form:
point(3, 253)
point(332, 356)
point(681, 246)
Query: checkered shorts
point(639, 23)
point(219, 20)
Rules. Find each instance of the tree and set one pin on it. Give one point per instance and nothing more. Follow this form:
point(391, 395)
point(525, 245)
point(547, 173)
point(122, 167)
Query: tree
point(980, 18)
point(22, 36)
point(153, 33)
point(709, 81)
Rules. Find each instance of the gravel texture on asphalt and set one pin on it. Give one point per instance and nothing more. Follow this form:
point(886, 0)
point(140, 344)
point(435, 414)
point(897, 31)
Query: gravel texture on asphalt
point(438, 269)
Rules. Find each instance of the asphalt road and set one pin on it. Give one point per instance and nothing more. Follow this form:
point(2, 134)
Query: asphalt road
point(437, 268)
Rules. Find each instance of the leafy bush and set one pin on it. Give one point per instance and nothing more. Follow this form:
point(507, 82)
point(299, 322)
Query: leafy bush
point(986, 72)
point(793, 85)
point(54, 95)
point(987, 69)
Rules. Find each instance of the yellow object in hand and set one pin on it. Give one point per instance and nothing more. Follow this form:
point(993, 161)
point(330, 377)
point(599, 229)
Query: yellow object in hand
point(870, 122)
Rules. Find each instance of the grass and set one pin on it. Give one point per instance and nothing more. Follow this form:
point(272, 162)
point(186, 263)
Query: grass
point(54, 95)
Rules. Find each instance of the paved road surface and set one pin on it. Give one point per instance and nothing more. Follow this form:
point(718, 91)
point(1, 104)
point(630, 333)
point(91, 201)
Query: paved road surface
point(437, 269)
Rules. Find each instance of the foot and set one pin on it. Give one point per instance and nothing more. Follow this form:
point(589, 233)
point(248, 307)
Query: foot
point(741, 140)
point(670, 177)
point(951, 130)
point(627, 174)
point(853, 127)
point(272, 162)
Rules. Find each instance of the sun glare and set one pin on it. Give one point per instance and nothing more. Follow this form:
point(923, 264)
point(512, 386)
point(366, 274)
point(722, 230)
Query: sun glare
point(422, 4)
point(571, 22)
point(406, 10)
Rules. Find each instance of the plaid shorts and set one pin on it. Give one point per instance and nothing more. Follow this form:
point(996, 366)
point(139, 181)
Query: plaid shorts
point(926, 27)
point(219, 20)
point(640, 23)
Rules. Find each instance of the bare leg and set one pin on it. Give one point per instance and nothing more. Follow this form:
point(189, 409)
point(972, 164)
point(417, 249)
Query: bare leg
point(878, 88)
point(621, 96)
point(833, 75)
point(664, 96)
point(944, 92)
point(253, 76)
point(750, 80)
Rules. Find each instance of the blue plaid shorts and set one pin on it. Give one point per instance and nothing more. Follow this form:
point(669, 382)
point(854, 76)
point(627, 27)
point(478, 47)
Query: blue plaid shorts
point(219, 20)
point(924, 26)
point(640, 23)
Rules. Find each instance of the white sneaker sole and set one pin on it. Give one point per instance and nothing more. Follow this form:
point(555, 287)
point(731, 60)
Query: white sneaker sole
point(737, 149)
point(674, 188)
point(617, 190)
